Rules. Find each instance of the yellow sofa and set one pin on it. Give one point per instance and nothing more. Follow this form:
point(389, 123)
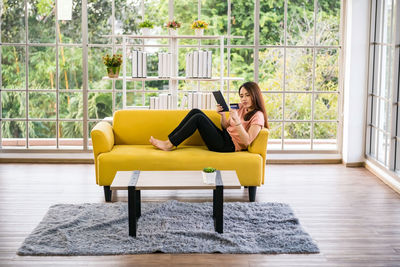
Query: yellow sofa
point(125, 146)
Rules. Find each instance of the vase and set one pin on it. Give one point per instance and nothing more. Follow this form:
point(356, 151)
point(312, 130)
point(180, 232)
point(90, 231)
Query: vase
point(198, 32)
point(145, 31)
point(173, 32)
point(113, 72)
point(209, 177)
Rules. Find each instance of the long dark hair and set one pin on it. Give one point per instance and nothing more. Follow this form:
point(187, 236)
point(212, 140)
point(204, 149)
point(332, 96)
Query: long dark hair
point(257, 100)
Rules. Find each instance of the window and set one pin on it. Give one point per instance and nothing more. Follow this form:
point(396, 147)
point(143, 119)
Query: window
point(383, 133)
point(291, 48)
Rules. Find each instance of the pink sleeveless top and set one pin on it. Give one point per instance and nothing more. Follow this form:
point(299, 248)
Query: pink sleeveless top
point(257, 119)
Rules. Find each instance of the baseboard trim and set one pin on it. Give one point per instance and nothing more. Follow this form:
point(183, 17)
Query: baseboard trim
point(384, 175)
point(354, 164)
point(304, 161)
point(69, 158)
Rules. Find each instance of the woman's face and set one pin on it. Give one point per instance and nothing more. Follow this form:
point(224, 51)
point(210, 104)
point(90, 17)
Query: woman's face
point(245, 98)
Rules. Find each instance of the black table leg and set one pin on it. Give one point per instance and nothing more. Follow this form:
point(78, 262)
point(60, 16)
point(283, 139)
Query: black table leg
point(214, 192)
point(132, 209)
point(218, 208)
point(138, 205)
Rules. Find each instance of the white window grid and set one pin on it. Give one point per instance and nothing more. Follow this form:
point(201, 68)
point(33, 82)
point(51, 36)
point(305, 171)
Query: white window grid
point(114, 46)
point(383, 115)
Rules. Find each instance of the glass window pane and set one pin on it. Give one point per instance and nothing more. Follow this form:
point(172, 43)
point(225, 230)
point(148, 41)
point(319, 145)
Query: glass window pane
point(275, 136)
point(97, 70)
point(71, 134)
point(216, 14)
point(41, 21)
point(325, 106)
point(297, 136)
point(271, 69)
point(100, 105)
point(242, 63)
point(325, 136)
point(372, 147)
point(185, 11)
point(13, 21)
point(157, 12)
point(299, 69)
point(71, 105)
point(328, 22)
point(300, 22)
point(272, 22)
point(13, 67)
point(99, 21)
point(42, 134)
point(42, 105)
point(242, 21)
point(70, 67)
point(273, 104)
point(387, 75)
point(327, 70)
point(387, 21)
point(42, 67)
point(13, 105)
point(298, 106)
point(13, 134)
point(128, 16)
point(383, 115)
point(70, 30)
point(382, 146)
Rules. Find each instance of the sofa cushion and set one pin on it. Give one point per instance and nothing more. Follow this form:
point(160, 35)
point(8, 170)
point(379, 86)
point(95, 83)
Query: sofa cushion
point(248, 166)
point(134, 127)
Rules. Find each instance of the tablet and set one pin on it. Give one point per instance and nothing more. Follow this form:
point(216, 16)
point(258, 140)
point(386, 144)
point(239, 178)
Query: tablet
point(220, 100)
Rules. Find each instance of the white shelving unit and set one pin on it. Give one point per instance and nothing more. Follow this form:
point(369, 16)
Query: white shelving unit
point(173, 48)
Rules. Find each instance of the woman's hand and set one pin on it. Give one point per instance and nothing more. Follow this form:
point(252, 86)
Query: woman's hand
point(219, 109)
point(234, 116)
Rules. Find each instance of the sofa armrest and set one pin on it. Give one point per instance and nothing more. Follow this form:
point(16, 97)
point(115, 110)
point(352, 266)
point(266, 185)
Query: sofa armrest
point(259, 146)
point(102, 138)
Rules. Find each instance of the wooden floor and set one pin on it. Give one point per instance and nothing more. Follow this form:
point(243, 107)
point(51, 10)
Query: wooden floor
point(352, 215)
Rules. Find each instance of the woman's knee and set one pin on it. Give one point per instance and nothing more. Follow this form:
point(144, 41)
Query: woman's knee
point(195, 111)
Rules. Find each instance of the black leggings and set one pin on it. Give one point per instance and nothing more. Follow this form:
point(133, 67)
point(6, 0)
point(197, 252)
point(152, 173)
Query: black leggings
point(215, 139)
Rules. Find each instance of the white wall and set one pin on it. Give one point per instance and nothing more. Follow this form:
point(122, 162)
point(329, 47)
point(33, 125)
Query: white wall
point(355, 80)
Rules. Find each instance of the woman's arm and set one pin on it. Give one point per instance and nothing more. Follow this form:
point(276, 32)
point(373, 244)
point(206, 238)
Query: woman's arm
point(245, 137)
point(224, 121)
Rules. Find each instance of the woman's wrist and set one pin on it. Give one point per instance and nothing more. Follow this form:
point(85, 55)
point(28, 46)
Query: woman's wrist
point(238, 124)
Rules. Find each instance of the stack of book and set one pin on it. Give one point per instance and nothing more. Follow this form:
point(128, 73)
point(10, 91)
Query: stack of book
point(198, 100)
point(139, 64)
point(199, 64)
point(163, 101)
point(164, 65)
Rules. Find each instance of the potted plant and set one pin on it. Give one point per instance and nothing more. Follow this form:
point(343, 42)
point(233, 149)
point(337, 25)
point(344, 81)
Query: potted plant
point(209, 174)
point(145, 26)
point(113, 64)
point(199, 26)
point(173, 27)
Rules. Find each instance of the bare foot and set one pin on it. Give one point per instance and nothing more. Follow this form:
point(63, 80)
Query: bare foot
point(163, 145)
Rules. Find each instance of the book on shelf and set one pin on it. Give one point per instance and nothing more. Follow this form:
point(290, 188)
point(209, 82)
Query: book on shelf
point(144, 64)
point(140, 64)
point(195, 64)
point(199, 64)
point(134, 64)
point(209, 64)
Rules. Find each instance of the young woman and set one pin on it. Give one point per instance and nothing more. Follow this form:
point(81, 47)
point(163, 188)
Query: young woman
point(237, 132)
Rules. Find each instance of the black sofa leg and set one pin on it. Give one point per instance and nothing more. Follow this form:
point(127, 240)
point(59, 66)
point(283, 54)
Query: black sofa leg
point(107, 193)
point(252, 193)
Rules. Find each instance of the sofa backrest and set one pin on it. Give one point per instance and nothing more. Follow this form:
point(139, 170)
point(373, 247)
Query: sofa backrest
point(134, 127)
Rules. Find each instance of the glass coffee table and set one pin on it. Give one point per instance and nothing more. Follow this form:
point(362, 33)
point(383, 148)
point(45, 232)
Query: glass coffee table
point(135, 181)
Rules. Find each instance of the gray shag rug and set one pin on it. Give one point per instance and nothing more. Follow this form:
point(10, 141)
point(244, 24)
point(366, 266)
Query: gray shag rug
point(169, 227)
